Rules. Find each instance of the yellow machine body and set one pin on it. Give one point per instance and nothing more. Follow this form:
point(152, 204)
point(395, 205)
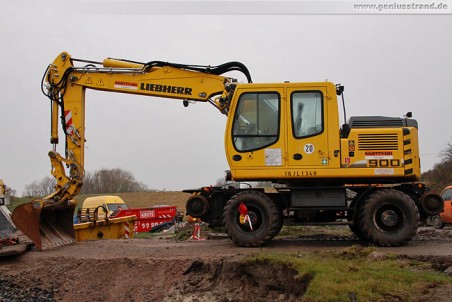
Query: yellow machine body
point(264, 140)
point(114, 228)
point(282, 132)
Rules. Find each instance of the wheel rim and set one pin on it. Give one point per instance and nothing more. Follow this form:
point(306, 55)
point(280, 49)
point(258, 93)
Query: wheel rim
point(436, 221)
point(389, 218)
point(256, 219)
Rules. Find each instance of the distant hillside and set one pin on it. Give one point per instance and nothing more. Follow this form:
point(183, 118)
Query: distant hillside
point(441, 174)
point(146, 199)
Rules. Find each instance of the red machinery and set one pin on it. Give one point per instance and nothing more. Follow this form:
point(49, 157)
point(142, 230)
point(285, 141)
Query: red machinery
point(149, 219)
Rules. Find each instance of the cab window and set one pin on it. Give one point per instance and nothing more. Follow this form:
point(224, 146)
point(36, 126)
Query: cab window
point(307, 113)
point(256, 121)
point(447, 194)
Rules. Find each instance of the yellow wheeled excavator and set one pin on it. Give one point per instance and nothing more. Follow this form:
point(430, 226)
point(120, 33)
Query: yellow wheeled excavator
point(363, 173)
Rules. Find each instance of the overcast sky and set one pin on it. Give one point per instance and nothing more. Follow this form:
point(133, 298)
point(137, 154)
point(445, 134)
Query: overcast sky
point(389, 64)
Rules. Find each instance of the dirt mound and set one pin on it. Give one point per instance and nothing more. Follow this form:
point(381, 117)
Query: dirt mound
point(235, 281)
point(91, 280)
point(88, 280)
point(159, 269)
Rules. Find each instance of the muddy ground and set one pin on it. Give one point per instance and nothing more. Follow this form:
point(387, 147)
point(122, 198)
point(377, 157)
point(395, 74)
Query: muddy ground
point(162, 269)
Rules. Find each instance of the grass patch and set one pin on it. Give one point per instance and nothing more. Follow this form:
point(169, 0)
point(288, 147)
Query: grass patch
point(358, 272)
point(306, 231)
point(16, 201)
point(181, 234)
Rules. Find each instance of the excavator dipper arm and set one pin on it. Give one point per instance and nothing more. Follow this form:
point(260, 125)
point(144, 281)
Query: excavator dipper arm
point(48, 221)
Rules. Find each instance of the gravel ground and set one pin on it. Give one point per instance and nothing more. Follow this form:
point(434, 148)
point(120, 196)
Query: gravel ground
point(160, 269)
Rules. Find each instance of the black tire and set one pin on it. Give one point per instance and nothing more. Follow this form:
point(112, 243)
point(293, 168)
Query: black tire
point(437, 222)
point(266, 219)
point(388, 218)
point(358, 232)
point(354, 227)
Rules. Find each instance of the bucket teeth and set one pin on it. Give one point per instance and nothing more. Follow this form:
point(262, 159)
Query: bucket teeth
point(47, 227)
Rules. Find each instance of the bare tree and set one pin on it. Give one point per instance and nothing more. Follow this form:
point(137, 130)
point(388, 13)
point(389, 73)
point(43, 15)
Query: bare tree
point(111, 181)
point(441, 174)
point(10, 191)
point(40, 188)
point(446, 154)
point(100, 181)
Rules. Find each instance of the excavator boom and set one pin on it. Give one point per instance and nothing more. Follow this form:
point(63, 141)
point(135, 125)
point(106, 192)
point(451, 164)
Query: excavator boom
point(48, 221)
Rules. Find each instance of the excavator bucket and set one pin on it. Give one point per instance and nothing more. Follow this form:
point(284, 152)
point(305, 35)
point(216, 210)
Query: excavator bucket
point(46, 225)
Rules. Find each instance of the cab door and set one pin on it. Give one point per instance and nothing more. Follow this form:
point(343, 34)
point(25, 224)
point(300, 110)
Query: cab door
point(255, 134)
point(307, 133)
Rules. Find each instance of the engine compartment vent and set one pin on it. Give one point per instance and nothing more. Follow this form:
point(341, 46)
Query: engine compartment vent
point(380, 122)
point(386, 141)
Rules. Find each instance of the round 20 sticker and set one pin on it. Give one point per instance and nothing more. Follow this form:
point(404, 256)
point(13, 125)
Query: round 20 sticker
point(309, 148)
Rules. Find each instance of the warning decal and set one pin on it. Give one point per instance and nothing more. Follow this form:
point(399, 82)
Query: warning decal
point(68, 121)
point(273, 157)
